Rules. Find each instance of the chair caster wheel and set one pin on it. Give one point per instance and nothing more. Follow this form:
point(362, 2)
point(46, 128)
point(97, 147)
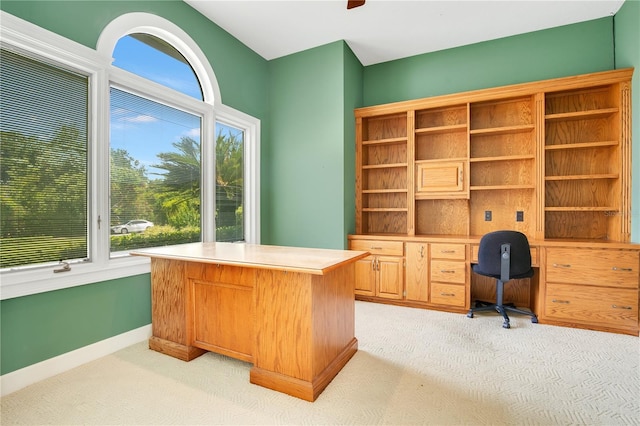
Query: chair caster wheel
point(506, 325)
point(534, 320)
point(470, 315)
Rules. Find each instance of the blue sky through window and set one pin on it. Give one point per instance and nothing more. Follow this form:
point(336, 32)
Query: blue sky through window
point(148, 62)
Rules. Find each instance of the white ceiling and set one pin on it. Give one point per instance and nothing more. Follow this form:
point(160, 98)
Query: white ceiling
point(384, 30)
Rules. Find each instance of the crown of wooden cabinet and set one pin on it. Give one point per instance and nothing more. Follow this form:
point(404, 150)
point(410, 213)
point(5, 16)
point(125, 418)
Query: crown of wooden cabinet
point(550, 159)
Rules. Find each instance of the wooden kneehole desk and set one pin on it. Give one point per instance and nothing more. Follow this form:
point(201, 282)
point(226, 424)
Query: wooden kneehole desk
point(289, 311)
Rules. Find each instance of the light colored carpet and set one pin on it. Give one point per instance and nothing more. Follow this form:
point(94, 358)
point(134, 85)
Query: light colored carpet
point(413, 367)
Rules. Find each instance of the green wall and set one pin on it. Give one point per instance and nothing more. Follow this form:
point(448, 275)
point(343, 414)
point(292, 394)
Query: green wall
point(306, 157)
point(569, 50)
point(627, 54)
point(352, 88)
point(45, 325)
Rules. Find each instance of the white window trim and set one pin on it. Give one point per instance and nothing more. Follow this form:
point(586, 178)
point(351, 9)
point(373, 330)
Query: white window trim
point(24, 37)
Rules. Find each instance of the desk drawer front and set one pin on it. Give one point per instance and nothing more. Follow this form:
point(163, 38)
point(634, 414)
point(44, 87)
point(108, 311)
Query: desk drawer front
point(593, 305)
point(388, 248)
point(448, 271)
point(609, 268)
point(448, 251)
point(447, 294)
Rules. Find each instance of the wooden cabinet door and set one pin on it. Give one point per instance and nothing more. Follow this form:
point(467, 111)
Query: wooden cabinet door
point(366, 276)
point(390, 277)
point(440, 176)
point(417, 272)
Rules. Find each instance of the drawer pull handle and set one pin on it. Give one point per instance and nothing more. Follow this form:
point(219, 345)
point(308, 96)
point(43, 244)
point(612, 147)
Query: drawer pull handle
point(447, 271)
point(566, 302)
point(375, 248)
point(447, 251)
point(561, 265)
point(621, 307)
point(448, 294)
point(615, 268)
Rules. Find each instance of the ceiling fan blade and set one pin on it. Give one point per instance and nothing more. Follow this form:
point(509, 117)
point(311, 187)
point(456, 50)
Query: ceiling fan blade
point(354, 3)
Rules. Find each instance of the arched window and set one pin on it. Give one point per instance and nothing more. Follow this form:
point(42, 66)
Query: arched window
point(177, 160)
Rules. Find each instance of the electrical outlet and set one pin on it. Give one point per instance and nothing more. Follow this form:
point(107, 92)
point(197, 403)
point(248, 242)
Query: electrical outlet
point(519, 216)
point(487, 215)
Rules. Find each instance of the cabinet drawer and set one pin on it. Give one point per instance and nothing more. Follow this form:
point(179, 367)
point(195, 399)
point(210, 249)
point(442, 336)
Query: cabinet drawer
point(390, 248)
point(448, 251)
point(593, 305)
point(448, 271)
point(447, 294)
point(608, 268)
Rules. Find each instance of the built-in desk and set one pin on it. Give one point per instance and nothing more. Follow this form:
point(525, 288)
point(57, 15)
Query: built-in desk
point(577, 283)
point(288, 311)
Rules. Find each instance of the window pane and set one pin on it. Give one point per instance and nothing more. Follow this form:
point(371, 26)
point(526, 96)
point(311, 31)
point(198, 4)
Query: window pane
point(155, 173)
point(43, 180)
point(229, 183)
point(158, 61)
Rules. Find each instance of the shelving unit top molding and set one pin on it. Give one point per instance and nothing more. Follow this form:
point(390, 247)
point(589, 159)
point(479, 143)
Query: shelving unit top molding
point(510, 91)
point(551, 159)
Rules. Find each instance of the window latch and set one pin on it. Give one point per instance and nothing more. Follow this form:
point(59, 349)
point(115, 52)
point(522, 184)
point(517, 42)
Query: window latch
point(65, 267)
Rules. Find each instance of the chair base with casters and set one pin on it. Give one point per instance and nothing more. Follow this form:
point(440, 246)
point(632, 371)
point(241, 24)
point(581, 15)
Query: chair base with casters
point(494, 260)
point(500, 307)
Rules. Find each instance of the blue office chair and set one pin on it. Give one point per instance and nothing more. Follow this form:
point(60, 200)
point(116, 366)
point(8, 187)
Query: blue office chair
point(505, 256)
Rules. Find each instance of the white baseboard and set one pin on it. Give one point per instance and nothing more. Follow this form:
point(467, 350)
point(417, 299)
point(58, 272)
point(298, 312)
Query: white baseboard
point(26, 376)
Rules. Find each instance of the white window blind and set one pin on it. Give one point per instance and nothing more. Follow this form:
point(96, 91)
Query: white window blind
point(44, 152)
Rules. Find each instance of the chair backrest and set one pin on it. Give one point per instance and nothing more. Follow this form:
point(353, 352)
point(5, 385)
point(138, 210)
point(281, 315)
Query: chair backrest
point(490, 255)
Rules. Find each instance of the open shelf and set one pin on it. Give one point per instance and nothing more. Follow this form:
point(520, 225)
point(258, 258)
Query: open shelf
point(555, 152)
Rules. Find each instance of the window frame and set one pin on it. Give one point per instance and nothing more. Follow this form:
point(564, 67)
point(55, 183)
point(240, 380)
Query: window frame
point(27, 39)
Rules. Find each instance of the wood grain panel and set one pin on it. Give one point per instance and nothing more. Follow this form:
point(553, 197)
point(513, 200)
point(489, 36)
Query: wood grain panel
point(611, 307)
point(305, 328)
point(386, 127)
point(502, 113)
point(442, 217)
point(169, 301)
point(440, 117)
point(503, 144)
point(608, 268)
point(448, 271)
point(517, 292)
point(417, 272)
point(438, 146)
point(283, 323)
point(379, 154)
point(223, 318)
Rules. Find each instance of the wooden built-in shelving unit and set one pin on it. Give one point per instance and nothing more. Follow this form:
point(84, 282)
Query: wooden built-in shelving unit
point(551, 159)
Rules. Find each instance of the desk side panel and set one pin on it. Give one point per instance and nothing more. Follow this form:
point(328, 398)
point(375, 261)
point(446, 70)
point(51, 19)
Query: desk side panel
point(283, 340)
point(171, 312)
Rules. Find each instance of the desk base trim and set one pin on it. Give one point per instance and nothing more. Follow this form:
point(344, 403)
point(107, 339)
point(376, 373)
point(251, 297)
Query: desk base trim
point(176, 350)
point(303, 389)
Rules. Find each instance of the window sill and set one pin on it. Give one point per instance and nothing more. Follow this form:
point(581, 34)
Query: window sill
point(25, 283)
